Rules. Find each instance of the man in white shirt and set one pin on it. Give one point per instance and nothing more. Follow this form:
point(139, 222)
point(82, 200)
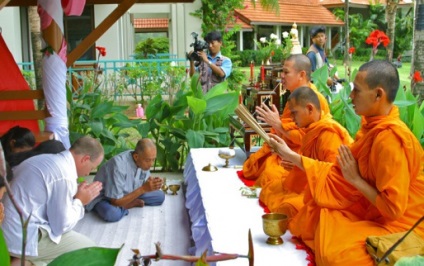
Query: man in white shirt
point(45, 187)
point(127, 183)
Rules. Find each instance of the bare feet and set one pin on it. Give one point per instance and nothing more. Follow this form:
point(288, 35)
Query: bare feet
point(135, 203)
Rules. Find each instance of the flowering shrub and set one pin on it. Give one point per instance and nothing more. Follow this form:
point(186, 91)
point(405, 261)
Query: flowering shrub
point(267, 49)
point(376, 38)
point(417, 77)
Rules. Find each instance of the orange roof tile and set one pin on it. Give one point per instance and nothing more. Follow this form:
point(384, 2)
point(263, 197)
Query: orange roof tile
point(150, 23)
point(241, 23)
point(359, 3)
point(303, 12)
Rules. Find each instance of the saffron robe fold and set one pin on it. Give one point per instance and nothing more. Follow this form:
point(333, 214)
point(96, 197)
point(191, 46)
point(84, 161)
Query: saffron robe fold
point(337, 218)
point(321, 142)
point(264, 163)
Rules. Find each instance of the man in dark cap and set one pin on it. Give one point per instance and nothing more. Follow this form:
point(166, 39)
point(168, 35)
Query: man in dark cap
point(214, 67)
point(316, 52)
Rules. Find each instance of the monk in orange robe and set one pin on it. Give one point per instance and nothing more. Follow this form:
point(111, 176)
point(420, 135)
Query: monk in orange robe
point(376, 186)
point(263, 163)
point(323, 136)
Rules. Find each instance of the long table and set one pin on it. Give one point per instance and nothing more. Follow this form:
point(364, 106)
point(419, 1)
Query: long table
point(221, 217)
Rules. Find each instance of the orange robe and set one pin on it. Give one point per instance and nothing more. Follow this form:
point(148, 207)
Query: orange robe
point(321, 142)
point(337, 218)
point(264, 163)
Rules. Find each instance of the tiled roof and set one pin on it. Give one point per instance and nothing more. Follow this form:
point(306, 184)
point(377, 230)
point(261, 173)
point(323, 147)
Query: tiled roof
point(151, 23)
point(244, 25)
point(359, 3)
point(303, 12)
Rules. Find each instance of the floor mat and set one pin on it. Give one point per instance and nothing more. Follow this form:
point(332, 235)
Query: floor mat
point(142, 228)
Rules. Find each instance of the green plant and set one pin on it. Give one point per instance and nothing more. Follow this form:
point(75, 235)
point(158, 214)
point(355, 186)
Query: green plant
point(192, 120)
point(91, 112)
point(411, 113)
point(151, 46)
point(340, 104)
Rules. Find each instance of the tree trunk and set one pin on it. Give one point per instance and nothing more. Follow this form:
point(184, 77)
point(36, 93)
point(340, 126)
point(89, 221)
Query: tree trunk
point(34, 24)
point(347, 56)
point(418, 50)
point(391, 9)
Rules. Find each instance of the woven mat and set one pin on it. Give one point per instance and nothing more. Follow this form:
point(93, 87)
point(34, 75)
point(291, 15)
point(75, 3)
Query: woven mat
point(141, 228)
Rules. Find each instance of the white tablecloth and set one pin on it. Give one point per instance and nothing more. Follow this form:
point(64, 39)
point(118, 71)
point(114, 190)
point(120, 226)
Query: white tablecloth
point(221, 216)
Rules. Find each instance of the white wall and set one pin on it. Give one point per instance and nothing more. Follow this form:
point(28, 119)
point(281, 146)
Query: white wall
point(181, 23)
point(11, 27)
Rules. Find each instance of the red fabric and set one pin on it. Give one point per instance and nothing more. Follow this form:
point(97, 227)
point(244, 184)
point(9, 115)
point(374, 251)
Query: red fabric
point(266, 210)
point(11, 79)
point(250, 183)
point(302, 246)
point(246, 182)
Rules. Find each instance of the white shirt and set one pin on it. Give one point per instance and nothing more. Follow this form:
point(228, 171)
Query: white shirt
point(44, 185)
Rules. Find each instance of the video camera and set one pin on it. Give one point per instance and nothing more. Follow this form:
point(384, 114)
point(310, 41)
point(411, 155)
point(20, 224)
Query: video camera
point(198, 45)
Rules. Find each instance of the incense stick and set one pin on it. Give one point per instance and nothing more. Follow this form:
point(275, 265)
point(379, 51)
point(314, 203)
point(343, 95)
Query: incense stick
point(245, 115)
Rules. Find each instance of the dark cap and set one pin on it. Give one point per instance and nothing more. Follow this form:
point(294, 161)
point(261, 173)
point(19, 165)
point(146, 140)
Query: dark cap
point(213, 36)
point(315, 30)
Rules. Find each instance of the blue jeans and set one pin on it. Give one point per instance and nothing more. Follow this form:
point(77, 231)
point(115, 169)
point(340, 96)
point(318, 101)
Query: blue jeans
point(111, 213)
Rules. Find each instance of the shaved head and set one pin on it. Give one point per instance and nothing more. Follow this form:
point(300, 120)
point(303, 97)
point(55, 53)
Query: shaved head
point(303, 96)
point(381, 73)
point(144, 144)
point(301, 63)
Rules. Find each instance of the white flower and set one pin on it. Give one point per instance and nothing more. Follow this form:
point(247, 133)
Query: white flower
point(277, 41)
point(273, 36)
point(262, 40)
point(285, 34)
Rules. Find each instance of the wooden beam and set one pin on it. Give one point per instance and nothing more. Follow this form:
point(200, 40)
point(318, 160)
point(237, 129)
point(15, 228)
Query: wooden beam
point(100, 2)
point(21, 95)
point(99, 31)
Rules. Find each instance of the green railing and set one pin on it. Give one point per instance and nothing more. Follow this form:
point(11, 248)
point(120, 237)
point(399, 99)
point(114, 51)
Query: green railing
point(107, 72)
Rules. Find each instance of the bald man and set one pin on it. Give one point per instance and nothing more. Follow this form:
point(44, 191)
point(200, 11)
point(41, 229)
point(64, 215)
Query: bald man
point(127, 183)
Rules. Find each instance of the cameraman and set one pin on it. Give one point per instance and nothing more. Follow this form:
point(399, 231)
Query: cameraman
point(213, 67)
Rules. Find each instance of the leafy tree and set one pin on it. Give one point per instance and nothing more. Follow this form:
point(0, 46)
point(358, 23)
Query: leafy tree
point(151, 46)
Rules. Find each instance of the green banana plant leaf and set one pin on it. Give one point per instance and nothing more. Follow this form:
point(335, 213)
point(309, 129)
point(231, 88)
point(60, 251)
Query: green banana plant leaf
point(87, 257)
point(4, 258)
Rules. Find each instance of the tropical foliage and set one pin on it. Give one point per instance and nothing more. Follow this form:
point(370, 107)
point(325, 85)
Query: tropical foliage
point(92, 112)
point(192, 120)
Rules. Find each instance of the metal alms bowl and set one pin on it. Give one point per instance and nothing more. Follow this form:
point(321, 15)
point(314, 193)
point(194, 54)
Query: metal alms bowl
point(274, 226)
point(174, 189)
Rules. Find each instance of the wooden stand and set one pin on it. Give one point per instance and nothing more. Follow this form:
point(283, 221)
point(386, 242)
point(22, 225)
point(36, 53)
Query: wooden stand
point(268, 91)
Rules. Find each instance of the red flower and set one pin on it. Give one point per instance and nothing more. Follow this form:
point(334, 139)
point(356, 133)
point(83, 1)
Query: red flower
point(272, 53)
point(102, 50)
point(417, 76)
point(352, 50)
point(376, 38)
point(246, 6)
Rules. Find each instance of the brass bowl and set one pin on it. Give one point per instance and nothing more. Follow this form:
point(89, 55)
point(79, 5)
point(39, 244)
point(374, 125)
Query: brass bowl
point(227, 158)
point(174, 189)
point(210, 168)
point(274, 225)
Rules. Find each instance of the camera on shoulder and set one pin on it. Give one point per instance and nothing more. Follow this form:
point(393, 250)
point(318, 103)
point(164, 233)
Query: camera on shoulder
point(198, 45)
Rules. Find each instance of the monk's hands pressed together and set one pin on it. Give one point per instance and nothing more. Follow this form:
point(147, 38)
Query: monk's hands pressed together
point(153, 183)
point(348, 165)
point(269, 116)
point(87, 192)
